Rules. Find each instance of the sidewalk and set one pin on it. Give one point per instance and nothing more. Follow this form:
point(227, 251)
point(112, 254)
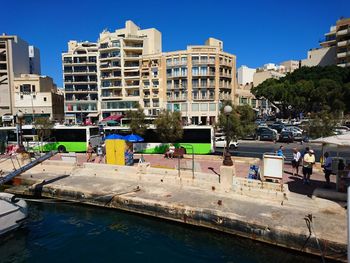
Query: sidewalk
point(211, 164)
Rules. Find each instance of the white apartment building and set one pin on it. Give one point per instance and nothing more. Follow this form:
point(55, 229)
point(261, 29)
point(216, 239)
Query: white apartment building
point(16, 57)
point(81, 82)
point(119, 56)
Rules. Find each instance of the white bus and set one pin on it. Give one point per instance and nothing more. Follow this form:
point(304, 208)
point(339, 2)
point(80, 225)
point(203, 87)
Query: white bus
point(60, 138)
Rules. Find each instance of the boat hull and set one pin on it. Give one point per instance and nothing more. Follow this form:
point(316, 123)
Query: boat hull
point(13, 213)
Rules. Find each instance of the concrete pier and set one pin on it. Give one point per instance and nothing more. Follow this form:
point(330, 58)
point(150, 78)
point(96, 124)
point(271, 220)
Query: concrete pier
point(262, 211)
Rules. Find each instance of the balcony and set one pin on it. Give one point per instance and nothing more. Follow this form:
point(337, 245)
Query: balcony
point(343, 43)
point(201, 97)
point(225, 75)
point(203, 62)
point(341, 55)
point(224, 96)
point(112, 95)
point(343, 32)
point(80, 90)
point(182, 97)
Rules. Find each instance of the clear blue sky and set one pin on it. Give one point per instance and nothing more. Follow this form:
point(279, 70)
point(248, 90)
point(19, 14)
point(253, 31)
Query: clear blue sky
point(257, 32)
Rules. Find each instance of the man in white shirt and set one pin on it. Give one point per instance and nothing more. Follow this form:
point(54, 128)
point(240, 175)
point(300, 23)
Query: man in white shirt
point(296, 161)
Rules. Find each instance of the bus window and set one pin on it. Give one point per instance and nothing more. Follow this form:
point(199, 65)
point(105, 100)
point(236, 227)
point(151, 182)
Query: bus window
point(94, 131)
point(70, 135)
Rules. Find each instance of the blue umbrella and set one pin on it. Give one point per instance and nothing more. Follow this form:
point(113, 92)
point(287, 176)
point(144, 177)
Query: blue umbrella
point(114, 137)
point(133, 138)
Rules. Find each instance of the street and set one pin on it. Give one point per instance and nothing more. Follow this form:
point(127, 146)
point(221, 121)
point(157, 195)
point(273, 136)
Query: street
point(258, 148)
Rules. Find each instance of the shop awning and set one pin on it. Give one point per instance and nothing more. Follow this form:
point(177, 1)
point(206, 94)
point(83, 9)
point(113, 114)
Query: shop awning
point(93, 114)
point(113, 118)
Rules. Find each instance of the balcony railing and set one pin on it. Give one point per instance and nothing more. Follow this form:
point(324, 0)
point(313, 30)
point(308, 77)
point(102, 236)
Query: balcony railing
point(177, 98)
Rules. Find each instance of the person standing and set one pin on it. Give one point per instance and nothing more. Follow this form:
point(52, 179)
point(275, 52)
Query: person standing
point(308, 163)
point(280, 151)
point(327, 168)
point(296, 161)
point(89, 152)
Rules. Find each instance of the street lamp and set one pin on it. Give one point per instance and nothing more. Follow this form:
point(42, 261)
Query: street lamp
point(227, 157)
point(20, 116)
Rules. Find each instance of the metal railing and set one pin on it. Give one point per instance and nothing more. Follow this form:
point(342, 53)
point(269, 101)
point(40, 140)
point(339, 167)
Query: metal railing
point(179, 157)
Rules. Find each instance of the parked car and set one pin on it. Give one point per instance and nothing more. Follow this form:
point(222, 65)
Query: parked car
point(268, 135)
point(261, 129)
point(286, 136)
point(277, 126)
point(221, 143)
point(341, 129)
point(297, 132)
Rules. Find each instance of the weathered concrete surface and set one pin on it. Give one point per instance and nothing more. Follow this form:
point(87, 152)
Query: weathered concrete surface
point(252, 210)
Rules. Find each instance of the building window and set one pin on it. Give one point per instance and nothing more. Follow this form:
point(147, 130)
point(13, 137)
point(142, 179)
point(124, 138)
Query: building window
point(195, 71)
point(45, 98)
point(21, 97)
point(204, 107)
point(212, 107)
point(33, 88)
point(34, 97)
point(184, 107)
point(195, 107)
point(184, 60)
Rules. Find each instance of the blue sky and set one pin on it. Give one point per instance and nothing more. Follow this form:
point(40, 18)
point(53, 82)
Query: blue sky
point(257, 32)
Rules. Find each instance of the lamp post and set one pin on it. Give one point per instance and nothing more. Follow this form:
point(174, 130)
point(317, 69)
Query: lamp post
point(20, 116)
point(227, 157)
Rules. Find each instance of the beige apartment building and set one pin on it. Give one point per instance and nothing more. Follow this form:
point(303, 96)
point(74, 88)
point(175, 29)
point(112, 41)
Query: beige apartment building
point(119, 56)
point(16, 57)
point(197, 80)
point(132, 71)
point(335, 48)
point(343, 42)
point(81, 82)
point(37, 96)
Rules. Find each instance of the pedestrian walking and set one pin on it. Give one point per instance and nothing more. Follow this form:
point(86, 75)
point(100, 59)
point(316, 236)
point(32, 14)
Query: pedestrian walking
point(327, 168)
point(89, 152)
point(296, 161)
point(308, 163)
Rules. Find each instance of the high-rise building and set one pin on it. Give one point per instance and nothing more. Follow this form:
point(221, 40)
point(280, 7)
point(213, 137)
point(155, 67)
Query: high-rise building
point(343, 42)
point(335, 48)
point(16, 57)
point(198, 79)
point(119, 55)
point(132, 71)
point(80, 81)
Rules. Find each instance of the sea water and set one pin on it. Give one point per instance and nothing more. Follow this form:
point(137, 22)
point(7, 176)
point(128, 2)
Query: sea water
point(61, 232)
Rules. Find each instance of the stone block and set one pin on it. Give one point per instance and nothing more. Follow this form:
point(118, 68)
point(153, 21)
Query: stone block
point(226, 177)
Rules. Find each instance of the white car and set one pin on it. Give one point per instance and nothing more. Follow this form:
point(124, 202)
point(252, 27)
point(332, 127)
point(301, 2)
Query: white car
point(220, 142)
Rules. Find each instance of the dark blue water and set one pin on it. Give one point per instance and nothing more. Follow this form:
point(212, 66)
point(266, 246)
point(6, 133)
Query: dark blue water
point(73, 233)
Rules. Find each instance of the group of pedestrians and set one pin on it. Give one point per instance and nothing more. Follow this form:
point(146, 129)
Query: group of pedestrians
point(305, 159)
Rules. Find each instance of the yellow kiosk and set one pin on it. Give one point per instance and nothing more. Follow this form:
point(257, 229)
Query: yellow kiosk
point(115, 151)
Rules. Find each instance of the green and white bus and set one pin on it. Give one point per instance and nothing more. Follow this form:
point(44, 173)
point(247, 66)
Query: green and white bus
point(60, 138)
point(199, 138)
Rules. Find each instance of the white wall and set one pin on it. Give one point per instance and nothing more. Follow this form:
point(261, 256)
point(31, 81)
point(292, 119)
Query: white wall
point(245, 75)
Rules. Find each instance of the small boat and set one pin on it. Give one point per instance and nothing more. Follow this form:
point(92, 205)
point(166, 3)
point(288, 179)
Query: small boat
point(13, 212)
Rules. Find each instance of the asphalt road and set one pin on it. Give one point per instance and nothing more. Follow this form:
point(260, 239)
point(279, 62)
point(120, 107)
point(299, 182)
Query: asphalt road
point(258, 148)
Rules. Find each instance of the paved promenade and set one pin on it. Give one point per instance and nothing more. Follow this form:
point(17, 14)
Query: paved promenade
point(260, 211)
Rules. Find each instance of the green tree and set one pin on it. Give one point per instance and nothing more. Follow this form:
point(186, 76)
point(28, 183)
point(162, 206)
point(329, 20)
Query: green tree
point(247, 117)
point(308, 89)
point(229, 124)
point(168, 126)
point(137, 121)
point(321, 124)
